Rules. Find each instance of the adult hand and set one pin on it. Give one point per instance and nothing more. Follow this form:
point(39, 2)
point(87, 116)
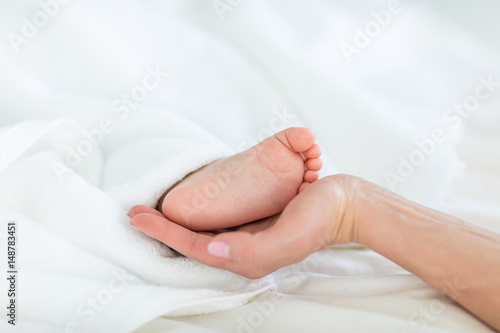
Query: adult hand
point(344, 209)
point(320, 216)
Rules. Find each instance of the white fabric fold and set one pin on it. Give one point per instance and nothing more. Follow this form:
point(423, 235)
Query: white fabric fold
point(76, 241)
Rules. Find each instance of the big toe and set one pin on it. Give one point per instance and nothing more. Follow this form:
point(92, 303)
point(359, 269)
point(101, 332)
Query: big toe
point(297, 139)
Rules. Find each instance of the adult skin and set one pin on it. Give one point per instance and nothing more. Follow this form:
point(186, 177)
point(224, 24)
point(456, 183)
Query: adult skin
point(458, 258)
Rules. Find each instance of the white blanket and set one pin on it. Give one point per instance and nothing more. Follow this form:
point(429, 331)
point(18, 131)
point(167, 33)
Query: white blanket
point(74, 239)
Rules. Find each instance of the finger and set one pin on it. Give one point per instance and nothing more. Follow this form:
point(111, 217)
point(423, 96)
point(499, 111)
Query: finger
point(140, 209)
point(189, 243)
point(253, 255)
point(257, 255)
point(196, 246)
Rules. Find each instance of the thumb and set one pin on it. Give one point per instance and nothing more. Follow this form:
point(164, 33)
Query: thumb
point(257, 255)
point(304, 227)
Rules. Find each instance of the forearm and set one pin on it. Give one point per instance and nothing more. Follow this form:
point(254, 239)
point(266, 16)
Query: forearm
point(460, 259)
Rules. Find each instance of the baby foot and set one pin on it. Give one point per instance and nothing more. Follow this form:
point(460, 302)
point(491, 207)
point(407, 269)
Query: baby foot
point(248, 186)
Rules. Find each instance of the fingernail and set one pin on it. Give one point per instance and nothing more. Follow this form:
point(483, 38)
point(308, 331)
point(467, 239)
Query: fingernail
point(132, 225)
point(219, 249)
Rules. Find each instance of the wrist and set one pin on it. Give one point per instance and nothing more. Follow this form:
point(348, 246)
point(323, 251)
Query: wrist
point(347, 195)
point(366, 208)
